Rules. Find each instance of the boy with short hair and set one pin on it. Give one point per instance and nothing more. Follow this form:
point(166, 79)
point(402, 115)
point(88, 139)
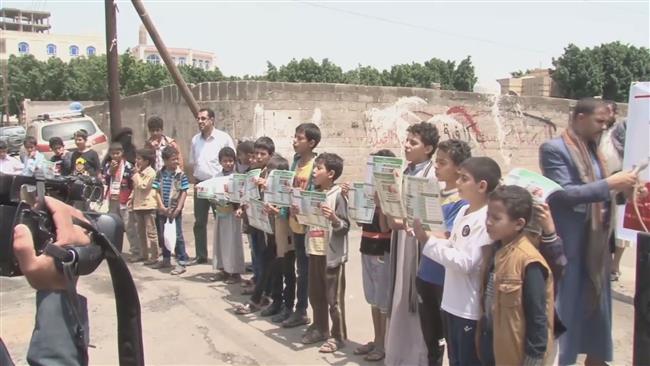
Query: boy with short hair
point(158, 141)
point(8, 164)
point(84, 160)
point(431, 275)
point(171, 185)
point(61, 157)
point(245, 156)
point(32, 159)
point(461, 255)
point(144, 203)
point(404, 342)
point(328, 252)
point(228, 250)
point(517, 292)
point(307, 136)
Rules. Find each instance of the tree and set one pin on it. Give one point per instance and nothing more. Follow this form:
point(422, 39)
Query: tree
point(464, 78)
point(606, 70)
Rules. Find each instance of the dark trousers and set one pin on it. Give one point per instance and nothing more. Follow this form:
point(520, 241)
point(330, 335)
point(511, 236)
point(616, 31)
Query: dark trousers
point(265, 261)
point(284, 273)
point(258, 245)
point(433, 330)
point(201, 211)
point(327, 296)
point(461, 342)
point(302, 281)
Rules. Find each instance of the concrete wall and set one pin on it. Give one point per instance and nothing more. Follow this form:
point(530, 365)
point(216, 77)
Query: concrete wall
point(355, 120)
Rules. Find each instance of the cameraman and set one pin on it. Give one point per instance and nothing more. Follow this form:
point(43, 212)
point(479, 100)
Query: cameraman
point(53, 340)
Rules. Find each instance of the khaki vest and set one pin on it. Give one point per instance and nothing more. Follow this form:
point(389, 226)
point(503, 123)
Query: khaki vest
point(509, 324)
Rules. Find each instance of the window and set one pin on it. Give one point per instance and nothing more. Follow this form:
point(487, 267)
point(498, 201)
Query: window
point(66, 130)
point(23, 48)
point(201, 64)
point(174, 60)
point(181, 60)
point(51, 50)
point(91, 51)
point(207, 65)
point(74, 51)
point(154, 59)
point(194, 62)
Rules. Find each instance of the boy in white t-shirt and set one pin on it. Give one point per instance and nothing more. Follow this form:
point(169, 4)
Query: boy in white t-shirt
point(461, 257)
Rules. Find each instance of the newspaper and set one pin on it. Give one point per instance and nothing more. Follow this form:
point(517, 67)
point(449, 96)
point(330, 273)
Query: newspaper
point(214, 189)
point(382, 164)
point(389, 190)
point(257, 218)
point(309, 207)
point(236, 188)
point(361, 203)
point(423, 201)
point(251, 189)
point(538, 185)
point(278, 188)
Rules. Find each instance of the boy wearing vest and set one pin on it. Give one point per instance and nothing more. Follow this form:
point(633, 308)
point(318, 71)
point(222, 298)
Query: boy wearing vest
point(144, 203)
point(461, 255)
point(431, 275)
point(171, 185)
point(328, 252)
point(306, 138)
point(517, 291)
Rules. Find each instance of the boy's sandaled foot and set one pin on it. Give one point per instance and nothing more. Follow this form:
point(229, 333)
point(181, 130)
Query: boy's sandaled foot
point(178, 270)
point(330, 346)
point(365, 349)
point(219, 276)
point(314, 336)
point(248, 308)
point(375, 355)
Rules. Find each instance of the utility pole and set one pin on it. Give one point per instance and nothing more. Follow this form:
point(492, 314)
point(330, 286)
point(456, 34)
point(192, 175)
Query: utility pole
point(164, 54)
point(112, 60)
point(5, 79)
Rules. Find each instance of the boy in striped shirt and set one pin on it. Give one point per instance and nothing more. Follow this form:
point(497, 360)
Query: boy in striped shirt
point(172, 185)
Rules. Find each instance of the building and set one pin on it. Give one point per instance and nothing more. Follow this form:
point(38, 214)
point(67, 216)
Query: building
point(27, 32)
point(535, 83)
point(181, 56)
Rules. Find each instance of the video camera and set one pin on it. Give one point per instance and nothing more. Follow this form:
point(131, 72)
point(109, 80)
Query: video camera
point(17, 193)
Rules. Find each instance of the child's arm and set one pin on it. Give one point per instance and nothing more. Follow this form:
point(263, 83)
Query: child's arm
point(534, 301)
point(339, 217)
point(467, 261)
point(551, 246)
point(144, 180)
point(180, 204)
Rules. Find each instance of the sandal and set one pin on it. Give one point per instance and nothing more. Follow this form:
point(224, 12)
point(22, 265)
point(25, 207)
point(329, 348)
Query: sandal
point(365, 349)
point(233, 280)
point(219, 276)
point(248, 308)
point(330, 346)
point(313, 337)
point(375, 355)
point(178, 270)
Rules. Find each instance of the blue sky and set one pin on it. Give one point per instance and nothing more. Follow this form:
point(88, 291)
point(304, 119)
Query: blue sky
point(500, 36)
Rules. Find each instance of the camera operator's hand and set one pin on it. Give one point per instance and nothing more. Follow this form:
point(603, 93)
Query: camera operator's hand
point(40, 270)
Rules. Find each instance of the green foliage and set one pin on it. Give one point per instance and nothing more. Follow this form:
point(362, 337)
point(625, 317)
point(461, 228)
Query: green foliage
point(606, 70)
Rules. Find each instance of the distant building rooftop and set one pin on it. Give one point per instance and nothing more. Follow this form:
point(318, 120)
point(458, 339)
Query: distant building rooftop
point(34, 21)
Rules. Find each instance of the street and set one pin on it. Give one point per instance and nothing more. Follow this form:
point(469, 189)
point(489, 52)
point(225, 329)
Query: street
point(188, 320)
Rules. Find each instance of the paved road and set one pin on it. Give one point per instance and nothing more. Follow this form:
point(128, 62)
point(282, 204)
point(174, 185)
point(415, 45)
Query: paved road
point(189, 321)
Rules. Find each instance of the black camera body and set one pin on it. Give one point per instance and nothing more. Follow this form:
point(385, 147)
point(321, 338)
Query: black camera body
point(14, 211)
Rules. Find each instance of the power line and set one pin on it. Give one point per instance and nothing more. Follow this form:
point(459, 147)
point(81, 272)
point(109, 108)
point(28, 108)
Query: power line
point(425, 28)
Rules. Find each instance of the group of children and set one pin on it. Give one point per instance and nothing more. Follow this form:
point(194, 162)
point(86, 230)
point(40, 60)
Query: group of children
point(490, 272)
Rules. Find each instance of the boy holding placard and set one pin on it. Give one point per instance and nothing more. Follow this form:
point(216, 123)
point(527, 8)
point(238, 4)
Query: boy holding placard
point(328, 251)
point(431, 275)
point(228, 257)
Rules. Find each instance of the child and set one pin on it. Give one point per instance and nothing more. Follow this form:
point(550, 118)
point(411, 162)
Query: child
point(461, 257)
point(8, 164)
point(32, 159)
point(375, 259)
point(171, 185)
point(282, 269)
point(404, 342)
point(431, 275)
point(306, 138)
point(263, 245)
point(118, 175)
point(61, 158)
point(245, 156)
point(158, 141)
point(84, 160)
point(228, 257)
point(517, 296)
point(328, 252)
point(144, 203)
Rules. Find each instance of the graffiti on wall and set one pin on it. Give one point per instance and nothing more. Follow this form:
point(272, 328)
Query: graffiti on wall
point(486, 128)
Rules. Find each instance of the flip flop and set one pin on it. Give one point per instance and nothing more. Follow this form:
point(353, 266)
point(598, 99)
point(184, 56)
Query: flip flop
point(330, 346)
point(249, 308)
point(365, 349)
point(375, 355)
point(313, 337)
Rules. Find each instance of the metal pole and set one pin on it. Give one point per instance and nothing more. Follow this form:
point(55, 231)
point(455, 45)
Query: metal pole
point(164, 54)
point(5, 91)
point(112, 60)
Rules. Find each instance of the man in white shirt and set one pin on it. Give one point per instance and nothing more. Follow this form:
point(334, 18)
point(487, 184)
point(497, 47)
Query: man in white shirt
point(204, 163)
point(9, 164)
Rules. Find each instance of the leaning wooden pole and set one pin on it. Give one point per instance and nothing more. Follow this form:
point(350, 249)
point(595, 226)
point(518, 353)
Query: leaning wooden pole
point(164, 54)
point(112, 60)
